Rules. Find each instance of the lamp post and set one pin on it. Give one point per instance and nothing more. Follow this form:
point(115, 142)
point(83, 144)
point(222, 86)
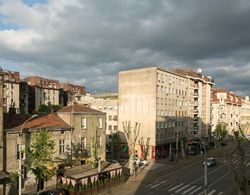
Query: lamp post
point(20, 154)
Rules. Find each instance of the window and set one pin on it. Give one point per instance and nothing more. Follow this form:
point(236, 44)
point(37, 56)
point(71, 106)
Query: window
point(110, 127)
point(110, 117)
point(99, 122)
point(83, 122)
point(61, 146)
point(98, 141)
point(115, 127)
point(115, 118)
point(83, 143)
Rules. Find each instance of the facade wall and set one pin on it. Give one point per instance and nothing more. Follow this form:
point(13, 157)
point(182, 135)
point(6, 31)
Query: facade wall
point(89, 134)
point(11, 152)
point(11, 96)
point(108, 105)
point(171, 107)
point(226, 109)
point(1, 121)
point(245, 111)
point(24, 98)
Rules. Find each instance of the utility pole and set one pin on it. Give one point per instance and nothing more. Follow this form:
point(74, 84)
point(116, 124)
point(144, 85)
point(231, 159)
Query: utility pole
point(205, 171)
point(177, 144)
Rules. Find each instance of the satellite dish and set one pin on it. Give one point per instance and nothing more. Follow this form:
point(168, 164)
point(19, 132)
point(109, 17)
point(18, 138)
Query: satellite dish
point(199, 70)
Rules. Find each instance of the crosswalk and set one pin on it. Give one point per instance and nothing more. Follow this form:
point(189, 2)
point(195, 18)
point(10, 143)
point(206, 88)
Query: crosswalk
point(183, 189)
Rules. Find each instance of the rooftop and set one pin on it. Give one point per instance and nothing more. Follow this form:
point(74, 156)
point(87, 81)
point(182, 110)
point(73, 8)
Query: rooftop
point(47, 121)
point(79, 108)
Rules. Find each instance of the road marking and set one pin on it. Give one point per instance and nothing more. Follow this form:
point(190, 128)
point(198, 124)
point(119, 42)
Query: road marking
point(181, 188)
point(197, 189)
point(175, 187)
point(212, 192)
point(189, 190)
point(221, 193)
point(154, 186)
point(219, 179)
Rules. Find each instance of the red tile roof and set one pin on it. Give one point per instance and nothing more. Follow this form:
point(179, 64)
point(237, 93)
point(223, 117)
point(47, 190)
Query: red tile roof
point(73, 88)
point(231, 98)
point(191, 73)
point(48, 121)
point(11, 76)
point(79, 109)
point(42, 82)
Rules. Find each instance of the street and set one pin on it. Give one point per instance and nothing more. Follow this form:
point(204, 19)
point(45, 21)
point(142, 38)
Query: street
point(185, 176)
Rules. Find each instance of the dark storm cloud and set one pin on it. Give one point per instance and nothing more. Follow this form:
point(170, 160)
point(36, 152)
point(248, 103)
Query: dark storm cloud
point(89, 42)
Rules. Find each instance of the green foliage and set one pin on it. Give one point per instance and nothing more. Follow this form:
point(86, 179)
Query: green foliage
point(13, 176)
point(40, 154)
point(220, 132)
point(45, 109)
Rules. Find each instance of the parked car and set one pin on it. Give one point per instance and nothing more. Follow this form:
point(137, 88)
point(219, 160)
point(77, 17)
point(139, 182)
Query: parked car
point(171, 158)
point(145, 162)
point(137, 162)
point(58, 191)
point(210, 162)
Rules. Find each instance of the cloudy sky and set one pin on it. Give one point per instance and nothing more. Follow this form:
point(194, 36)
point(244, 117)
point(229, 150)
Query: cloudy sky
point(89, 41)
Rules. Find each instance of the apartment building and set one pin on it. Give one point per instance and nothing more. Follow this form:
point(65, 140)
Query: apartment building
point(70, 92)
point(11, 91)
point(59, 131)
point(226, 108)
point(105, 102)
point(42, 91)
point(200, 93)
point(88, 130)
point(24, 98)
point(245, 111)
point(158, 100)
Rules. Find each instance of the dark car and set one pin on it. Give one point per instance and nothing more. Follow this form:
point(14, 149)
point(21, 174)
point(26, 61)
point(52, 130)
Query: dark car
point(210, 162)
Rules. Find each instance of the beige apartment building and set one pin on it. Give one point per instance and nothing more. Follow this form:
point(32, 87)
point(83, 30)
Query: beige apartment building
point(11, 91)
point(169, 105)
point(42, 91)
point(70, 93)
point(59, 131)
point(105, 102)
point(226, 108)
point(245, 111)
point(158, 100)
point(88, 130)
point(200, 93)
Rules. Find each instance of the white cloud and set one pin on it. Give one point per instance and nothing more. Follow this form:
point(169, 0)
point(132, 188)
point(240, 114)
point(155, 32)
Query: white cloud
point(90, 41)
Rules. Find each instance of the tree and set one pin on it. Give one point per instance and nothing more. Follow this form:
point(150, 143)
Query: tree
point(131, 136)
point(239, 175)
point(47, 109)
point(115, 147)
point(43, 108)
point(39, 153)
point(220, 133)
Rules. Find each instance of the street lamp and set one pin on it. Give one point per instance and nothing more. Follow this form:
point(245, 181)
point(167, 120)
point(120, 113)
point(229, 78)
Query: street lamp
point(20, 154)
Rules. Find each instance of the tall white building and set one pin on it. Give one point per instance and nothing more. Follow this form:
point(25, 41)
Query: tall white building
point(169, 105)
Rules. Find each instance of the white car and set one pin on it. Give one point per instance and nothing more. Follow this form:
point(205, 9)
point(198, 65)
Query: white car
point(145, 162)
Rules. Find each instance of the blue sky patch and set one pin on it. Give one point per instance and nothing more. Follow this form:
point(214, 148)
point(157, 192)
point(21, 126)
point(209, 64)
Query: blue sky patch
point(32, 2)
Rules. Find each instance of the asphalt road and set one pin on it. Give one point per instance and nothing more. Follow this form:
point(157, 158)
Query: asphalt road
point(182, 177)
point(189, 179)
